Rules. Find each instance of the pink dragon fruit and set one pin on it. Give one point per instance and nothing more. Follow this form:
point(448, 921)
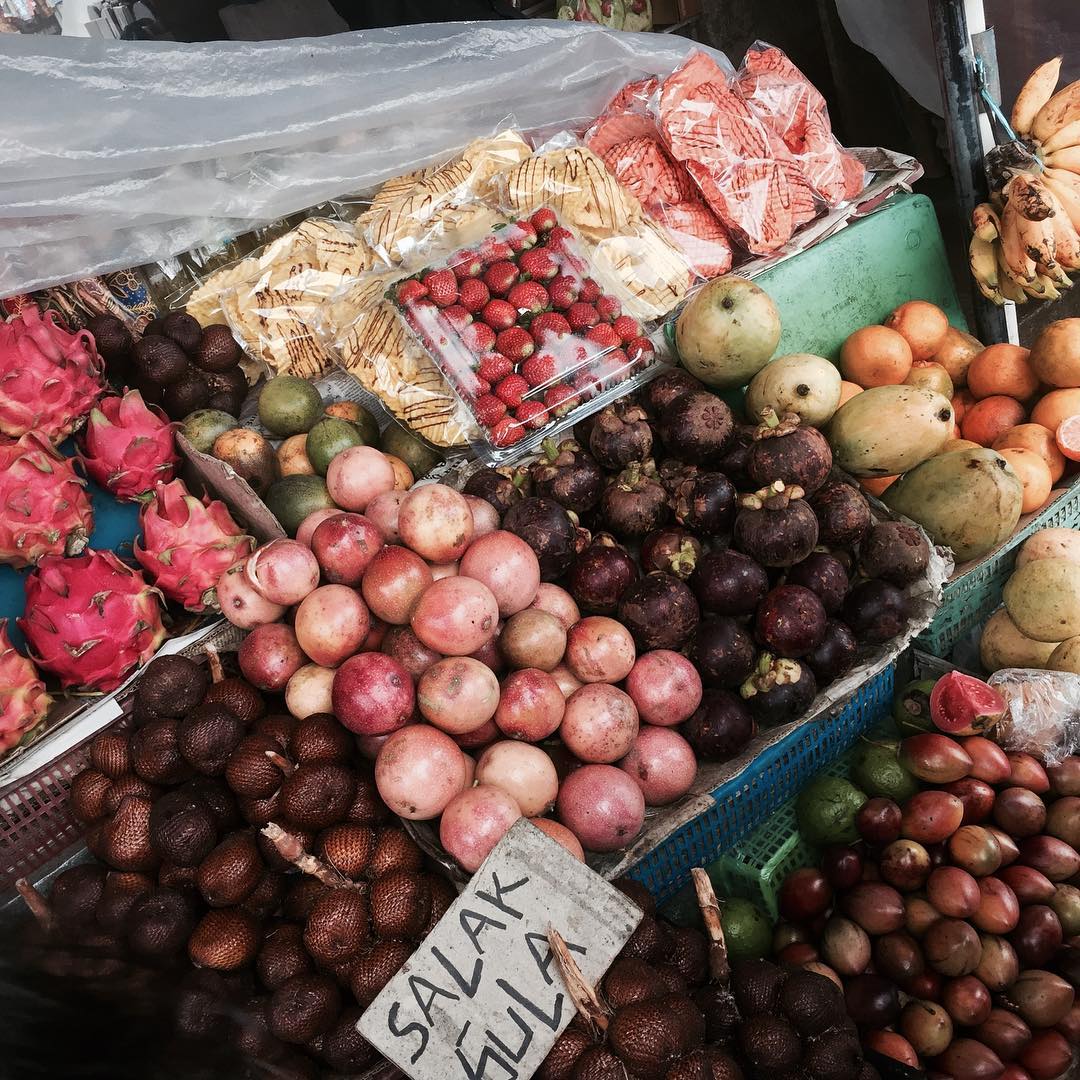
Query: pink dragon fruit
point(188, 543)
point(128, 446)
point(90, 620)
point(49, 379)
point(23, 701)
point(43, 507)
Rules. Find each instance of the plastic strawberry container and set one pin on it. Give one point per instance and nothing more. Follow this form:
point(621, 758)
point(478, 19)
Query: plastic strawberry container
point(524, 332)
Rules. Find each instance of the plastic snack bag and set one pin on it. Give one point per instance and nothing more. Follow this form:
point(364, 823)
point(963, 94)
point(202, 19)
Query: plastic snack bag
point(1044, 712)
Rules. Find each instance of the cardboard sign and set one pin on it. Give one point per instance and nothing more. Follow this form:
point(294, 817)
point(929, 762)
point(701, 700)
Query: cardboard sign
point(483, 996)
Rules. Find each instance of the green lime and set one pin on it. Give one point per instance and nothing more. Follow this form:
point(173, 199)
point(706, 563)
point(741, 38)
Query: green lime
point(911, 707)
point(747, 930)
point(202, 427)
point(327, 439)
point(292, 498)
point(826, 810)
point(416, 453)
point(877, 770)
point(288, 405)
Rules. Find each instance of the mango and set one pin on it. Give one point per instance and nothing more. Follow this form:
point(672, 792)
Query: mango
point(1002, 645)
point(890, 429)
point(1066, 657)
point(968, 500)
point(1043, 599)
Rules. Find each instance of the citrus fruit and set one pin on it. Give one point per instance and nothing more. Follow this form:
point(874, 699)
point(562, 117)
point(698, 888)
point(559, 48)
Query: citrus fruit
point(826, 810)
point(930, 376)
point(992, 416)
point(414, 452)
point(922, 324)
point(876, 768)
point(1055, 407)
point(747, 930)
point(876, 485)
point(875, 356)
point(328, 438)
point(1034, 437)
point(1034, 474)
point(289, 405)
point(1067, 439)
point(848, 390)
point(292, 498)
point(956, 353)
point(1002, 369)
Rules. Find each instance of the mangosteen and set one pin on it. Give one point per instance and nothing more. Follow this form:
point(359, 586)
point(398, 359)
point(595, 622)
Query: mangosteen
point(721, 727)
point(635, 502)
point(706, 503)
point(732, 462)
point(188, 395)
point(696, 427)
point(834, 655)
point(601, 574)
point(876, 611)
point(776, 526)
point(659, 611)
point(842, 511)
point(672, 474)
point(545, 526)
point(783, 450)
point(895, 552)
point(790, 621)
point(825, 576)
point(668, 387)
point(723, 651)
point(729, 583)
point(621, 434)
point(780, 690)
point(672, 550)
point(569, 476)
point(493, 487)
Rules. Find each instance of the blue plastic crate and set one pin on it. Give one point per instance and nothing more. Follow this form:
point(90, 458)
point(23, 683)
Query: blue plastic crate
point(772, 779)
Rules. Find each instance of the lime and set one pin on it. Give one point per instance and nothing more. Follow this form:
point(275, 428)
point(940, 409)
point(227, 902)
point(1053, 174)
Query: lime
point(826, 810)
point(327, 439)
point(288, 405)
point(354, 412)
point(911, 707)
point(292, 498)
point(877, 770)
point(747, 930)
point(416, 453)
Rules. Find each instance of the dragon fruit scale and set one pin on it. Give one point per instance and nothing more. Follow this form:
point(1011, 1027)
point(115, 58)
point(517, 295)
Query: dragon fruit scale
point(44, 509)
point(128, 446)
point(23, 701)
point(49, 379)
point(188, 543)
point(90, 620)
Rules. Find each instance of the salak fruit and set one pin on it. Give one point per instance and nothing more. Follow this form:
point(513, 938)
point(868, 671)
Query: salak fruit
point(44, 509)
point(49, 379)
point(23, 701)
point(128, 446)
point(90, 620)
point(187, 544)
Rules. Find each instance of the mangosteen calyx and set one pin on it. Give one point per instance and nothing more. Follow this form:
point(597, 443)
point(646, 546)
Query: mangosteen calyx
point(621, 435)
point(771, 673)
point(777, 496)
point(568, 475)
point(775, 427)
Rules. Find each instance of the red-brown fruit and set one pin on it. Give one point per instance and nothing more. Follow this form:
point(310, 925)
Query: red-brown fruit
point(282, 956)
point(225, 939)
point(337, 927)
point(394, 850)
point(400, 904)
point(110, 753)
point(318, 796)
point(87, 798)
point(372, 971)
point(303, 1007)
point(155, 755)
point(230, 873)
point(347, 848)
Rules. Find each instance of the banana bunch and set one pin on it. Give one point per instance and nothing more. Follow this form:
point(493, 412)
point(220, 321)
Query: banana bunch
point(1028, 236)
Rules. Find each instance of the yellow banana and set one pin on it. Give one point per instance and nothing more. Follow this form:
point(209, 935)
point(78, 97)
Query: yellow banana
point(1065, 187)
point(984, 269)
point(1034, 94)
point(1038, 240)
point(1014, 252)
point(1009, 288)
point(985, 222)
point(1069, 135)
point(1067, 158)
point(1050, 291)
point(1024, 193)
point(1063, 108)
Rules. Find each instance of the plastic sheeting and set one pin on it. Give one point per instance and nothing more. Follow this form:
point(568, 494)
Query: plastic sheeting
point(120, 153)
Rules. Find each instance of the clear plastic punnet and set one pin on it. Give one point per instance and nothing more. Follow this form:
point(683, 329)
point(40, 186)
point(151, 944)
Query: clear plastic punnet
point(1044, 712)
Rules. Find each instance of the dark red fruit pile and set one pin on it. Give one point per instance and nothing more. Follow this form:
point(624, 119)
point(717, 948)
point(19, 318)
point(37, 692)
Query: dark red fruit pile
point(520, 329)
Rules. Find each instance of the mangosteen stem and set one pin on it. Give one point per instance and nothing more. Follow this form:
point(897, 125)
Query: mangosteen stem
point(37, 903)
point(776, 496)
point(213, 660)
point(684, 560)
point(283, 764)
point(289, 847)
point(551, 451)
point(719, 969)
point(581, 993)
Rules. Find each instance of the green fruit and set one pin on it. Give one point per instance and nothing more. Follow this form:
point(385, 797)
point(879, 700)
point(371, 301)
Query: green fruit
point(289, 406)
point(877, 771)
point(368, 427)
point(327, 439)
point(911, 707)
point(826, 810)
point(203, 426)
point(292, 498)
point(416, 453)
point(747, 930)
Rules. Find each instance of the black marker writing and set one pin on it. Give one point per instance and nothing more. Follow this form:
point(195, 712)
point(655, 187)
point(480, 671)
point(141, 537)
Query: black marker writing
point(425, 1002)
point(553, 1021)
point(473, 922)
point(497, 899)
point(541, 953)
point(467, 987)
point(391, 1023)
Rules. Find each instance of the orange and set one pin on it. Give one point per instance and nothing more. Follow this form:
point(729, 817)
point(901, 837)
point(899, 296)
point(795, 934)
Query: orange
point(1034, 474)
point(1002, 369)
point(1055, 356)
point(1068, 438)
point(1056, 407)
point(991, 417)
point(922, 324)
point(961, 402)
point(876, 485)
point(848, 390)
point(875, 356)
point(1034, 437)
point(956, 353)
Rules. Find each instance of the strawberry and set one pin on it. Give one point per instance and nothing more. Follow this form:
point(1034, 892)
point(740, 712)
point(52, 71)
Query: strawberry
point(560, 399)
point(532, 414)
point(627, 328)
point(558, 237)
point(466, 264)
point(521, 235)
point(544, 220)
point(586, 382)
point(538, 264)
point(539, 369)
point(641, 350)
point(590, 291)
point(507, 432)
point(515, 343)
point(442, 286)
point(604, 335)
point(512, 390)
point(549, 325)
point(499, 315)
point(564, 291)
point(500, 277)
point(479, 388)
point(473, 295)
point(410, 290)
point(494, 367)
point(478, 337)
point(494, 249)
point(581, 316)
point(613, 367)
point(489, 409)
point(609, 308)
point(457, 317)
point(529, 296)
